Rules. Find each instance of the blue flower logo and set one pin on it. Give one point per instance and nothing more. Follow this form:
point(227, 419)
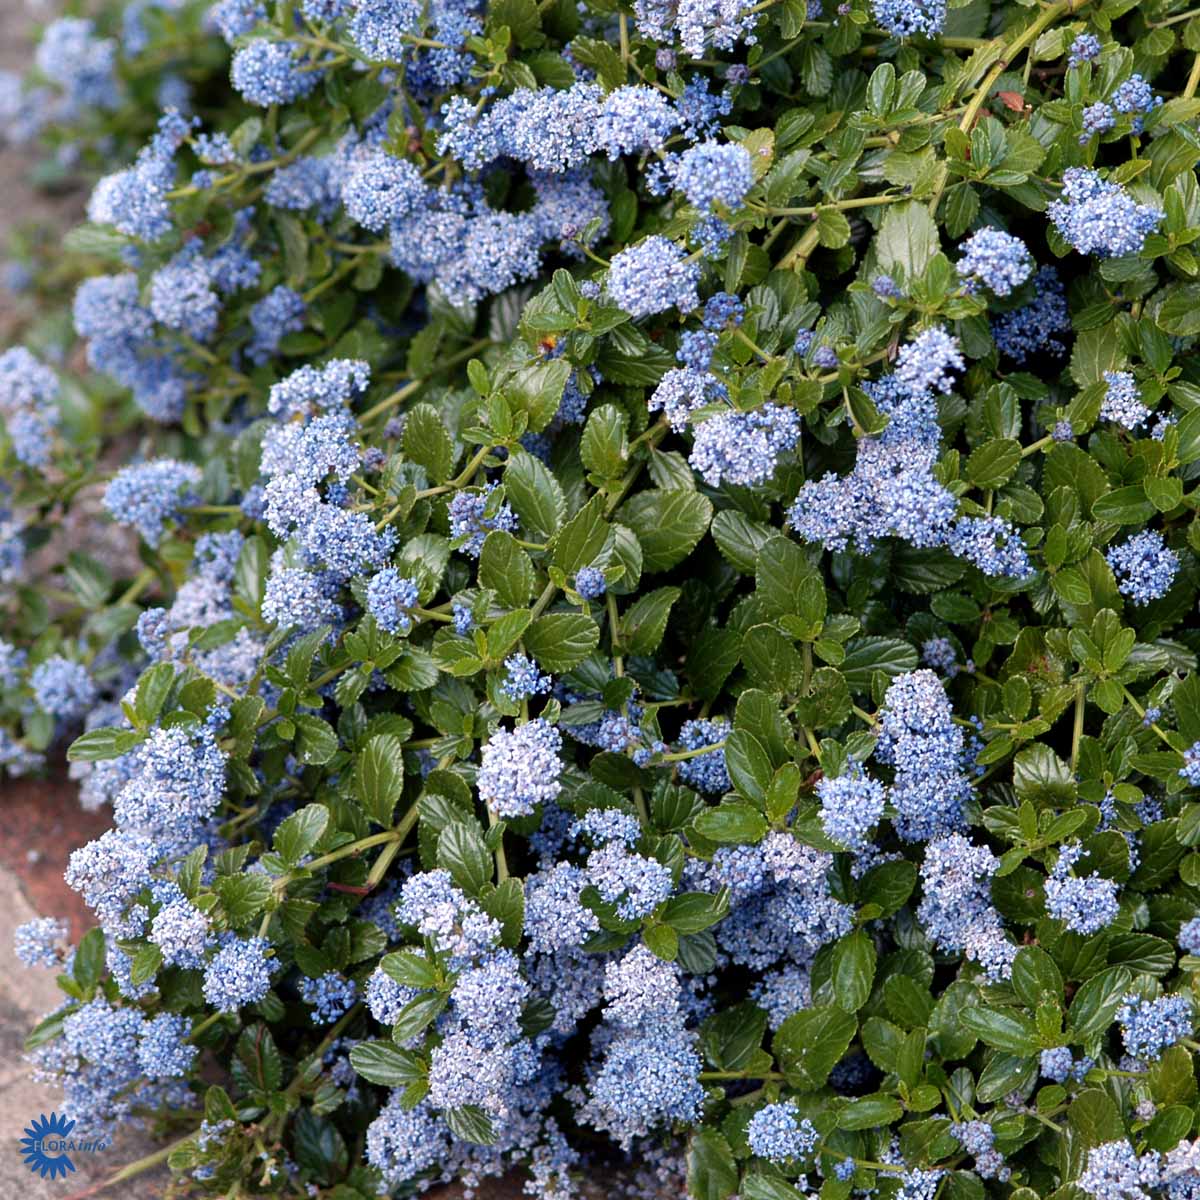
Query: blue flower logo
point(44, 1146)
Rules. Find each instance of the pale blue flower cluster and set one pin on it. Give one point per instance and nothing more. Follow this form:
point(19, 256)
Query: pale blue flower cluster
point(590, 583)
point(1099, 217)
point(473, 515)
point(391, 597)
point(741, 449)
point(714, 173)
point(996, 259)
point(956, 911)
point(1085, 48)
point(978, 1139)
point(267, 73)
point(908, 18)
point(778, 1133)
point(653, 276)
point(29, 405)
point(696, 24)
point(1144, 567)
point(38, 943)
point(706, 772)
point(521, 769)
point(1084, 904)
point(330, 995)
point(924, 746)
point(1058, 1065)
point(523, 679)
point(135, 199)
point(1150, 1026)
point(150, 495)
point(1115, 1171)
point(62, 688)
point(280, 312)
point(239, 973)
point(851, 806)
point(1122, 401)
point(647, 1070)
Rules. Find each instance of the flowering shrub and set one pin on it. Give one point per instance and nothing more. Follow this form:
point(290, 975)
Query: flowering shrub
point(664, 622)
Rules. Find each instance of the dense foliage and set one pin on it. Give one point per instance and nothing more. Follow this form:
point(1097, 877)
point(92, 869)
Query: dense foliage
point(665, 624)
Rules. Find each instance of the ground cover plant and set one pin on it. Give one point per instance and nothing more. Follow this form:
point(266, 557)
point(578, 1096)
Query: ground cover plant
point(664, 637)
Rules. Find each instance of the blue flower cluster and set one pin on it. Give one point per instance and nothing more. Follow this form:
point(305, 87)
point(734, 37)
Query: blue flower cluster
point(1144, 567)
point(28, 404)
point(1099, 217)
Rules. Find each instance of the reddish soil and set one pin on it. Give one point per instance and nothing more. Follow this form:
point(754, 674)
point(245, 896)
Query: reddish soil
point(42, 824)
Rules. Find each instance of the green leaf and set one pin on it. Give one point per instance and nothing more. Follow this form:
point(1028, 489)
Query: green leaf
point(561, 640)
point(243, 896)
point(315, 740)
point(534, 494)
point(668, 525)
point(833, 229)
point(1096, 1002)
point(1041, 777)
point(427, 442)
point(409, 968)
point(870, 1112)
point(866, 655)
point(889, 885)
point(733, 821)
point(152, 690)
point(732, 1038)
point(853, 970)
point(749, 766)
point(470, 1124)
point(809, 1043)
point(537, 390)
point(417, 1015)
point(662, 941)
point(300, 832)
point(1125, 506)
point(89, 965)
point(1004, 1029)
point(907, 241)
point(582, 537)
point(603, 447)
point(1035, 976)
point(99, 744)
point(505, 568)
point(645, 622)
point(782, 576)
point(693, 911)
point(379, 777)
point(462, 851)
point(992, 465)
point(386, 1064)
point(740, 539)
point(712, 1173)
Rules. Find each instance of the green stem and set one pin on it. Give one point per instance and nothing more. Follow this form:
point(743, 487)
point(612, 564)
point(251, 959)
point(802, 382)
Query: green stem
point(501, 860)
point(143, 580)
point(207, 1023)
point(853, 202)
point(1141, 712)
point(1077, 732)
point(797, 256)
point(684, 755)
point(1048, 17)
point(1193, 80)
